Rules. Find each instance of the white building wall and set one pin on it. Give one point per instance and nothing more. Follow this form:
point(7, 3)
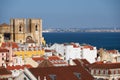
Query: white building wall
point(90, 55)
point(70, 52)
point(48, 53)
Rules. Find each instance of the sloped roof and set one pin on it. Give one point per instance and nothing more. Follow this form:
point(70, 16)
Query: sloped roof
point(17, 67)
point(82, 62)
point(8, 44)
point(4, 71)
point(100, 65)
point(88, 46)
point(4, 50)
point(62, 73)
point(49, 58)
point(53, 59)
point(45, 63)
point(112, 51)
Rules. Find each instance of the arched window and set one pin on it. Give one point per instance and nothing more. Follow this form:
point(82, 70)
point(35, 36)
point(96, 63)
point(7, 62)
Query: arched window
point(36, 27)
point(20, 28)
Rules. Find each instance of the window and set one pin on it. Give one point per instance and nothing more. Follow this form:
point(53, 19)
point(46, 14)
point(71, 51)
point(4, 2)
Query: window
point(77, 75)
point(36, 28)
point(20, 41)
point(2, 58)
point(53, 76)
point(20, 28)
point(2, 54)
point(2, 64)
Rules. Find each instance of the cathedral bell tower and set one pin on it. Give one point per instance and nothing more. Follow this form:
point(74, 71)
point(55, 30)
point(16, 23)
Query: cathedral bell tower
point(35, 27)
point(18, 29)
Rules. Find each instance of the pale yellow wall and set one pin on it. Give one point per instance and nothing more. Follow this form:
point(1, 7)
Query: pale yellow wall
point(4, 29)
point(15, 30)
point(1, 39)
point(29, 53)
point(37, 35)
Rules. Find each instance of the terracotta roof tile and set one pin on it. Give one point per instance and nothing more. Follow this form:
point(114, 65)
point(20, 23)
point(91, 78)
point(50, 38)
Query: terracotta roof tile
point(82, 62)
point(62, 73)
point(4, 50)
point(54, 58)
point(18, 67)
point(8, 44)
point(88, 46)
point(105, 65)
point(4, 71)
point(46, 50)
point(45, 63)
point(50, 58)
point(112, 51)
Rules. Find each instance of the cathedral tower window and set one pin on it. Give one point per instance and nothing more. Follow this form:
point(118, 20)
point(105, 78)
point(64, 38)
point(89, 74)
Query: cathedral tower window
point(20, 28)
point(36, 27)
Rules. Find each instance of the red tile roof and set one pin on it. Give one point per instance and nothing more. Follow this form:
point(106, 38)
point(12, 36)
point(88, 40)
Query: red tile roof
point(112, 51)
point(18, 67)
point(88, 46)
point(45, 63)
point(8, 44)
point(85, 61)
point(4, 71)
point(4, 50)
point(49, 58)
point(74, 45)
point(100, 65)
point(52, 59)
point(46, 50)
point(82, 62)
point(38, 58)
point(62, 73)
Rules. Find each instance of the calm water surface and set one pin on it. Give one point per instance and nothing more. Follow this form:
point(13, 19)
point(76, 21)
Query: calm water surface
point(104, 40)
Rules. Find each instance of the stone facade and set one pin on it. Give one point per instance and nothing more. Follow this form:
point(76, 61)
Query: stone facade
point(23, 30)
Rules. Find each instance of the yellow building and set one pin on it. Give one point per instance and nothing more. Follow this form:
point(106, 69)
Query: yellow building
point(29, 53)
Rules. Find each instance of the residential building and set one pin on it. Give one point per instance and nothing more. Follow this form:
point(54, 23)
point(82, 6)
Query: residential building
point(75, 50)
point(16, 70)
point(105, 71)
point(5, 74)
point(57, 73)
point(108, 55)
point(3, 56)
point(54, 60)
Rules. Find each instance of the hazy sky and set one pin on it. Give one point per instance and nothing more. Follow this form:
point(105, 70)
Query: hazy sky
point(64, 13)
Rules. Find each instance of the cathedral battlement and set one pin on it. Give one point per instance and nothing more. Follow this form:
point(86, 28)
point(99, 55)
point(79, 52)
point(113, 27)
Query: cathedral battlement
point(22, 30)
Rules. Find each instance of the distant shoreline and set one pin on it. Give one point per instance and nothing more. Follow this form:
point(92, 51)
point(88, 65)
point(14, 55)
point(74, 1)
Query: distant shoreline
point(79, 30)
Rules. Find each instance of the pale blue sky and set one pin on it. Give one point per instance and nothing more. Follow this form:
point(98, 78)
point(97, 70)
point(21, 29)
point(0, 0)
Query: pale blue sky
point(64, 13)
